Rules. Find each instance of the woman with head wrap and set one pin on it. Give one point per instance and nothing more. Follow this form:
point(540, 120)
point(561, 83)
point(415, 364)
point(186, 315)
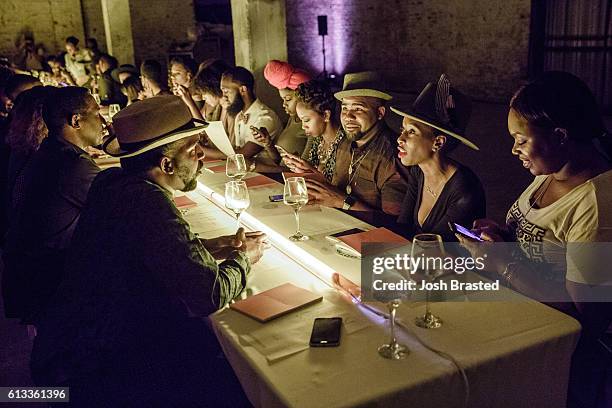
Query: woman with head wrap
point(284, 77)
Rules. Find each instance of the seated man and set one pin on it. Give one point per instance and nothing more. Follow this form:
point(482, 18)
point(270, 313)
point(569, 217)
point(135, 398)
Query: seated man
point(153, 79)
point(123, 72)
point(127, 327)
point(77, 61)
point(238, 88)
point(108, 89)
point(55, 186)
point(365, 178)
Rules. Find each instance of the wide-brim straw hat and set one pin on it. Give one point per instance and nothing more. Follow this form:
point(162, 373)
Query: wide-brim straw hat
point(151, 123)
point(442, 107)
point(365, 83)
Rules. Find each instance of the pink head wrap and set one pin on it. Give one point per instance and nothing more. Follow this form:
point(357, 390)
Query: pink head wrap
point(283, 75)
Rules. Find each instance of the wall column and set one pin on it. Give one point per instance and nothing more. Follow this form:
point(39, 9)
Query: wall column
point(118, 29)
point(260, 34)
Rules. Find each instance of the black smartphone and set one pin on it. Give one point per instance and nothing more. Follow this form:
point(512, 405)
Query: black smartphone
point(326, 332)
point(461, 230)
point(334, 237)
point(276, 198)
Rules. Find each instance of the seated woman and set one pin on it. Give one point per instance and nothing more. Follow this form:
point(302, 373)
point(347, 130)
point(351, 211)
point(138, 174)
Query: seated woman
point(560, 138)
point(132, 89)
point(440, 189)
point(292, 139)
point(318, 110)
point(207, 87)
point(26, 132)
point(207, 84)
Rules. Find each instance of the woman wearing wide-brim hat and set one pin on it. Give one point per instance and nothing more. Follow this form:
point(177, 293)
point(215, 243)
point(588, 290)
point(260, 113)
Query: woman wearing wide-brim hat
point(440, 189)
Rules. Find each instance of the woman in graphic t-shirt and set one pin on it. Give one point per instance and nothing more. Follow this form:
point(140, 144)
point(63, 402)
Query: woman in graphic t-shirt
point(562, 222)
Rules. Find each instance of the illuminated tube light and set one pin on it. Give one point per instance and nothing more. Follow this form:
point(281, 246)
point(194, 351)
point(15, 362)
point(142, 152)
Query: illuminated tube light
point(299, 255)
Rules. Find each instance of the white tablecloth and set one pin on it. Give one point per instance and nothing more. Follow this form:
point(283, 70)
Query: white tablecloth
point(515, 354)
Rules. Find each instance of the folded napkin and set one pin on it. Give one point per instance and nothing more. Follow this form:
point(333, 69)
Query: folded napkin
point(183, 202)
point(381, 235)
point(259, 181)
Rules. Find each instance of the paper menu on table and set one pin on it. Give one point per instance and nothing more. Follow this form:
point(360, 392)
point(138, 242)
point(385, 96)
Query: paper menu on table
point(275, 302)
point(183, 202)
point(382, 235)
point(216, 134)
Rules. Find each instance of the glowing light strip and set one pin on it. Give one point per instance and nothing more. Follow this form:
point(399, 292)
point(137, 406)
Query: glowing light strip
point(299, 255)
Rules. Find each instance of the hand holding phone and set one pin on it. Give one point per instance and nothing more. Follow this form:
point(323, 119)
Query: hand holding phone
point(326, 332)
point(461, 230)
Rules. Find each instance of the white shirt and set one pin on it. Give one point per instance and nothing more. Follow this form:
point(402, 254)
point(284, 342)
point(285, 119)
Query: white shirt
point(258, 115)
point(565, 233)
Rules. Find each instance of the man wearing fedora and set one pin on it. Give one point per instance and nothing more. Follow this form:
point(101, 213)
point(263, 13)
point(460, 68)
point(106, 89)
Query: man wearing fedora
point(365, 178)
point(128, 325)
point(55, 184)
point(123, 72)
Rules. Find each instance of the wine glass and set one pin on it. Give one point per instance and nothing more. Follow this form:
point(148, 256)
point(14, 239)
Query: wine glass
point(113, 110)
point(428, 247)
point(237, 197)
point(235, 167)
point(296, 196)
point(393, 350)
point(96, 97)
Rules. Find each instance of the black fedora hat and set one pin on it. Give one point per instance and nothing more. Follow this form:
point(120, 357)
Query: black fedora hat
point(124, 68)
point(442, 107)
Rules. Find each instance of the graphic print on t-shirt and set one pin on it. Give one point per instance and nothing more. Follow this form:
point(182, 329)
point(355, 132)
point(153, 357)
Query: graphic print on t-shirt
point(528, 235)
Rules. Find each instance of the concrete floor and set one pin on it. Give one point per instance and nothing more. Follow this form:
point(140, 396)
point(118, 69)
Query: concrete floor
point(500, 172)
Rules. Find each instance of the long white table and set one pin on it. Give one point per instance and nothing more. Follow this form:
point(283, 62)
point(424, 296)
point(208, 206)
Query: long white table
point(515, 354)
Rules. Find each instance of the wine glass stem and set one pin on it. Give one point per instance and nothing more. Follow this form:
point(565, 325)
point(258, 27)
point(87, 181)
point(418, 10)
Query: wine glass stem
point(427, 302)
point(238, 219)
point(392, 324)
point(297, 220)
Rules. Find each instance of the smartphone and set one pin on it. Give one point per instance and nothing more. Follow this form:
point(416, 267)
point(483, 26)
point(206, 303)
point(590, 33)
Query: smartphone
point(461, 230)
point(334, 237)
point(326, 332)
point(276, 198)
point(280, 150)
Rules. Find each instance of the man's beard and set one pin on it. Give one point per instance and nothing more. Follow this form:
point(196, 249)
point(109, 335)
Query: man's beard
point(236, 106)
point(354, 136)
point(190, 182)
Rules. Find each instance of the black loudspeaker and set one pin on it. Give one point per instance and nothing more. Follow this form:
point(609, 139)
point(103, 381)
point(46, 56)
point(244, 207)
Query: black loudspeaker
point(322, 24)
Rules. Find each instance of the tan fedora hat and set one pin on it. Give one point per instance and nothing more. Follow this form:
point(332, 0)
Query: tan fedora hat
point(442, 107)
point(366, 83)
point(153, 122)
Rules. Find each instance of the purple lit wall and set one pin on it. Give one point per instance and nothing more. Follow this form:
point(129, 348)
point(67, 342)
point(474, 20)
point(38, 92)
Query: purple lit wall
point(303, 41)
point(482, 45)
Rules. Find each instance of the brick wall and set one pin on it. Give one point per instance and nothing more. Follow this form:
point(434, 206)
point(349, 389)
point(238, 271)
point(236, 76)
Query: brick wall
point(51, 21)
point(158, 23)
point(481, 44)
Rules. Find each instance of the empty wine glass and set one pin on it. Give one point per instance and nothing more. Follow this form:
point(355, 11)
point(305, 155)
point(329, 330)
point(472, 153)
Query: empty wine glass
point(393, 350)
point(235, 167)
point(428, 247)
point(296, 196)
point(237, 198)
point(96, 97)
point(113, 110)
